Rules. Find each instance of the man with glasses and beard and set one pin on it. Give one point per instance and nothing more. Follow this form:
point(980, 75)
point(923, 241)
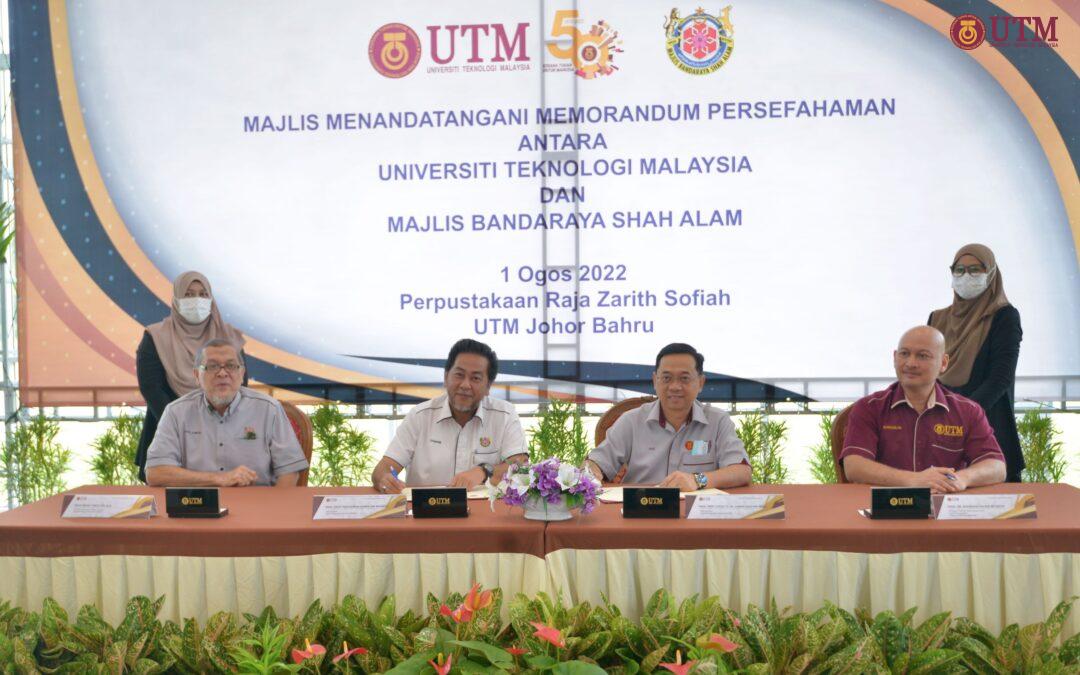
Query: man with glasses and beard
point(223, 434)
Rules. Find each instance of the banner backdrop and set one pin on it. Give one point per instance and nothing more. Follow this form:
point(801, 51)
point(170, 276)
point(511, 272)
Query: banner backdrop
point(781, 184)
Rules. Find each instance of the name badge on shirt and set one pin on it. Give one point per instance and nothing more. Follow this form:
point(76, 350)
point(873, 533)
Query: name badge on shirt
point(697, 448)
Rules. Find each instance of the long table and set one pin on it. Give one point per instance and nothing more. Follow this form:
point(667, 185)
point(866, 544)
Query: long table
point(268, 551)
point(996, 572)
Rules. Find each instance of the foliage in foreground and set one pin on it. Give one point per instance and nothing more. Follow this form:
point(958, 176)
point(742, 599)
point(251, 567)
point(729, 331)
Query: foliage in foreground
point(465, 635)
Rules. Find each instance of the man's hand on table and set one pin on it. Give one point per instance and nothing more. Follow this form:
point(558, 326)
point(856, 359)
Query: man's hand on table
point(680, 479)
point(469, 479)
point(937, 478)
point(241, 476)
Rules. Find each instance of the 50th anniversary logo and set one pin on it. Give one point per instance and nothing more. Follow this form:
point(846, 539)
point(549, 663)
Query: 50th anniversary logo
point(697, 44)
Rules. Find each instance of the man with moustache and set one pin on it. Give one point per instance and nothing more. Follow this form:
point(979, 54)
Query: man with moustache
point(223, 434)
point(459, 439)
point(916, 433)
point(674, 441)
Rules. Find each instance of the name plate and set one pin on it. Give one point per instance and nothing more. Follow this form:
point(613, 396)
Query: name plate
point(108, 506)
point(984, 507)
point(440, 503)
point(735, 507)
point(650, 502)
point(193, 503)
point(899, 503)
point(357, 507)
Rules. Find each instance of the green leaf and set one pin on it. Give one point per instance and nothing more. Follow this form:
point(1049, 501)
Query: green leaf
point(413, 665)
point(540, 661)
point(494, 655)
point(933, 661)
point(650, 662)
point(577, 668)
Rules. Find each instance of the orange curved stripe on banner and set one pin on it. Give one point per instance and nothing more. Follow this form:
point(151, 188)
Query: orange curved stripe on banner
point(1026, 100)
point(83, 315)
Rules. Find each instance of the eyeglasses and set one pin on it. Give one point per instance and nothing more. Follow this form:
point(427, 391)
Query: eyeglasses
point(958, 270)
point(214, 368)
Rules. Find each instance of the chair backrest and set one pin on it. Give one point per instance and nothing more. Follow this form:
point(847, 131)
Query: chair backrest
point(615, 412)
point(839, 426)
point(609, 418)
point(301, 424)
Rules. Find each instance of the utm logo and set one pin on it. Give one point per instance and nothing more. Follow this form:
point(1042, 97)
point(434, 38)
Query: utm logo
point(967, 31)
point(394, 50)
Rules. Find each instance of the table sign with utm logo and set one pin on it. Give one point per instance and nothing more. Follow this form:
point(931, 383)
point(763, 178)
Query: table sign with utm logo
point(899, 503)
point(650, 502)
point(440, 503)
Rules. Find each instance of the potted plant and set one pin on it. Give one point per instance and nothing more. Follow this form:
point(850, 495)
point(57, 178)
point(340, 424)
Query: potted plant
point(548, 490)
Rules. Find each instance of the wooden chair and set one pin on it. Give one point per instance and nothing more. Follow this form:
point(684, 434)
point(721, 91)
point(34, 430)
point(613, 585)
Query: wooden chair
point(301, 424)
point(839, 426)
point(608, 418)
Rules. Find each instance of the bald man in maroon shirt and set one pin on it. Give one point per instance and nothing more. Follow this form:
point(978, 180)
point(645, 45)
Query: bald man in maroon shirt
point(916, 433)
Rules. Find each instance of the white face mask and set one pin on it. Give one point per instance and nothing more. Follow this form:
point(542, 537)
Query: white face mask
point(194, 310)
point(970, 286)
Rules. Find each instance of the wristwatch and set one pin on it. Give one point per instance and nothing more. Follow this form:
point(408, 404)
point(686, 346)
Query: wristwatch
point(488, 470)
point(702, 481)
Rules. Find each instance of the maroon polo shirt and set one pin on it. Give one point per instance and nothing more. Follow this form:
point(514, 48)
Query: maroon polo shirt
point(952, 431)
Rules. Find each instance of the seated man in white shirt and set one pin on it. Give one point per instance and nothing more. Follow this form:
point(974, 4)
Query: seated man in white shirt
point(461, 438)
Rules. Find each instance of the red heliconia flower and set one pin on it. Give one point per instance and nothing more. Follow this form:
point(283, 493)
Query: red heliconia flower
point(477, 600)
point(679, 668)
point(310, 650)
point(717, 641)
point(517, 651)
point(347, 653)
point(461, 614)
point(548, 633)
point(440, 667)
point(445, 610)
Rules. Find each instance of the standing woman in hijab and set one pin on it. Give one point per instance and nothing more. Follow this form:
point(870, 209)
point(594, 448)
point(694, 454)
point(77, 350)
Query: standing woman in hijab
point(165, 360)
point(982, 337)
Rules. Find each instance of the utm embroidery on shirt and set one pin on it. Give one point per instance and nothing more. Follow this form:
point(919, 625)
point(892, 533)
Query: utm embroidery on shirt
point(948, 430)
point(892, 427)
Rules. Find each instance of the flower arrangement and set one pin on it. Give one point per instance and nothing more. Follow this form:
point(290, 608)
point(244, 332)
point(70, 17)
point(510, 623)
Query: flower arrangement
point(548, 482)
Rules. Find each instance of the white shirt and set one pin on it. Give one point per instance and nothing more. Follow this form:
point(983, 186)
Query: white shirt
point(434, 448)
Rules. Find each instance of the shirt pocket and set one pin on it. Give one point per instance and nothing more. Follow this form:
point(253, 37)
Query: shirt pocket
point(944, 455)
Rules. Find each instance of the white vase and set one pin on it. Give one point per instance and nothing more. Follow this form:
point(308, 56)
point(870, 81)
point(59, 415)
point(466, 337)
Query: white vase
point(537, 508)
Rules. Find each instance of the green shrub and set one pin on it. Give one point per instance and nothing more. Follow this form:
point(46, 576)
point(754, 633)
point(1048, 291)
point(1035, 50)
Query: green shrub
point(764, 439)
point(33, 462)
point(114, 461)
point(591, 639)
point(342, 456)
point(1044, 457)
point(822, 465)
point(559, 433)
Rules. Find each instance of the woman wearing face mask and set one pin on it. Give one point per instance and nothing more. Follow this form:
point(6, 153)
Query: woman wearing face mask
point(165, 360)
point(982, 337)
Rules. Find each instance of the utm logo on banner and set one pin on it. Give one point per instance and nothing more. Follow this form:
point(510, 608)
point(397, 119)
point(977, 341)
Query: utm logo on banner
point(700, 43)
point(394, 50)
point(590, 53)
point(967, 31)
